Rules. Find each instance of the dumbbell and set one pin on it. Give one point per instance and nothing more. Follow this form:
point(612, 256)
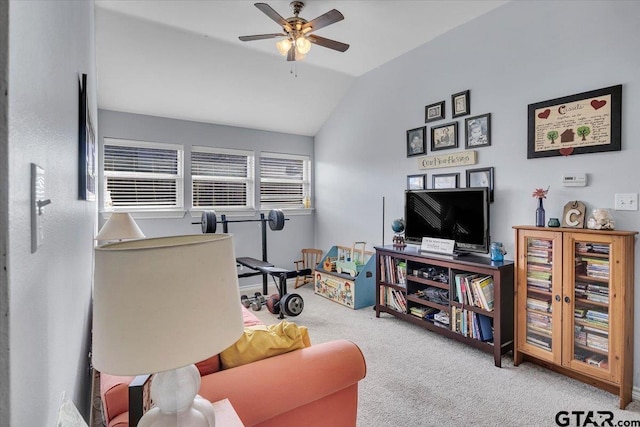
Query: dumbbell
point(255, 302)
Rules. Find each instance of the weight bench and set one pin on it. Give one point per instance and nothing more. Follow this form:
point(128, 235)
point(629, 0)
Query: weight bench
point(282, 274)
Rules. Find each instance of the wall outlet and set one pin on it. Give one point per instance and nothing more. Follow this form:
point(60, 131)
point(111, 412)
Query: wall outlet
point(626, 202)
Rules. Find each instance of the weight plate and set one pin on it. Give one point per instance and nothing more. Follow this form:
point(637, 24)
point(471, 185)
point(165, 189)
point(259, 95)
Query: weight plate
point(209, 221)
point(273, 304)
point(276, 219)
point(292, 304)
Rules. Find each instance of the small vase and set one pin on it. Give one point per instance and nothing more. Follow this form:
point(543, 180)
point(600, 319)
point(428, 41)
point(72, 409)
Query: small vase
point(540, 214)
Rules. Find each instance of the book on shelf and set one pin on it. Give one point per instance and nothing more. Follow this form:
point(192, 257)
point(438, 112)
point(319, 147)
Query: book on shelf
point(539, 304)
point(484, 287)
point(471, 324)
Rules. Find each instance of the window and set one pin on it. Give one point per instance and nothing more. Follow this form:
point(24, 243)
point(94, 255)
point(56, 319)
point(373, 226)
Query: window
point(285, 181)
point(222, 178)
point(142, 176)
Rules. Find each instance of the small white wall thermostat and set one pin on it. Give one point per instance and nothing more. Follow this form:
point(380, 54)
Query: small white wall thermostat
point(574, 180)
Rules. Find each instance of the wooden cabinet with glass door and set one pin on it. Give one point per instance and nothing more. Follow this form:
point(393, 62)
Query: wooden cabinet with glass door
point(574, 304)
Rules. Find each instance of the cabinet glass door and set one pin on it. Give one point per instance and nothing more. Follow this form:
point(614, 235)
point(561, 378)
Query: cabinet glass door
point(590, 288)
point(539, 294)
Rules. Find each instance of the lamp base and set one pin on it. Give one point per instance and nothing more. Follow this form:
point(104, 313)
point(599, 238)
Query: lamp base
point(175, 394)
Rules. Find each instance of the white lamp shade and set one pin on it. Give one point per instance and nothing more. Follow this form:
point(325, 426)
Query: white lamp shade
point(120, 226)
point(164, 303)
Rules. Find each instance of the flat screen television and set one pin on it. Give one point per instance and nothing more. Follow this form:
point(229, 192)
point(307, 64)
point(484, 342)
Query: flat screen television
point(460, 214)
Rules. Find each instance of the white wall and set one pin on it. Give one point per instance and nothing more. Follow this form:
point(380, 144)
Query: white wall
point(50, 44)
point(520, 53)
point(4, 215)
point(283, 246)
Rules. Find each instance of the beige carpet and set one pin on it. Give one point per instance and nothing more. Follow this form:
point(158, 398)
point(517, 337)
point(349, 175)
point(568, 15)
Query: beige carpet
point(416, 377)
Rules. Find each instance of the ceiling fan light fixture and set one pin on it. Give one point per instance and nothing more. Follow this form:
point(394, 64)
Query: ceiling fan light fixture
point(303, 45)
point(283, 46)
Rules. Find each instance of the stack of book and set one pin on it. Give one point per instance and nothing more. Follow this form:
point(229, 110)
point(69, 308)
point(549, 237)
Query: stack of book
point(539, 251)
point(539, 323)
point(539, 304)
point(597, 267)
point(539, 280)
point(597, 341)
point(597, 318)
point(423, 312)
point(599, 248)
point(441, 318)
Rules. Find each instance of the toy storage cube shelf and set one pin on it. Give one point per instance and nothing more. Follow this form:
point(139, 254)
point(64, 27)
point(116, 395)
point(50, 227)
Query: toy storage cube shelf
point(353, 292)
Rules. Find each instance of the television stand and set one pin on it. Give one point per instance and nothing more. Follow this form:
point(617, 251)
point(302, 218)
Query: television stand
point(423, 289)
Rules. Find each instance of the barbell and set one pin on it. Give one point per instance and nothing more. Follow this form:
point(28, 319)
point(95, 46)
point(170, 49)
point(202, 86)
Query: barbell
point(209, 220)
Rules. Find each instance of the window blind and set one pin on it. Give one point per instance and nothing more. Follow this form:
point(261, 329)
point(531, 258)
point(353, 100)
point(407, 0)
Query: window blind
point(222, 178)
point(284, 180)
point(142, 175)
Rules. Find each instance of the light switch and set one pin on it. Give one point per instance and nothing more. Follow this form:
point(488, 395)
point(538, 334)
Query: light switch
point(38, 202)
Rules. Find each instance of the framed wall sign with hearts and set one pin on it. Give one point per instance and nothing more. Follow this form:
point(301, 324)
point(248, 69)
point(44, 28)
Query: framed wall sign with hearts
point(588, 122)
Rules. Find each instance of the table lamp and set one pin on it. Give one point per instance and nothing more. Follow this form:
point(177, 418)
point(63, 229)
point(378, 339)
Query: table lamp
point(120, 226)
point(159, 306)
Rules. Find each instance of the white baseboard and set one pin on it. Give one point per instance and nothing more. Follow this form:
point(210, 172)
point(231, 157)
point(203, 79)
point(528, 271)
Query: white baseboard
point(635, 393)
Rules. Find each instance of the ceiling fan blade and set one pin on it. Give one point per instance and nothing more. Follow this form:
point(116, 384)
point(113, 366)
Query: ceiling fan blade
point(261, 37)
point(331, 44)
point(323, 20)
point(268, 10)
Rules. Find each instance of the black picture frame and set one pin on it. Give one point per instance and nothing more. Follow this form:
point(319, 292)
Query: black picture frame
point(445, 180)
point(478, 131)
point(594, 117)
point(460, 103)
point(434, 112)
point(481, 177)
point(416, 141)
point(416, 182)
point(444, 137)
point(87, 168)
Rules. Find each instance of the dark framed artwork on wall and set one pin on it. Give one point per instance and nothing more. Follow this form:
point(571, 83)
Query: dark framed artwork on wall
point(478, 131)
point(416, 182)
point(444, 137)
point(445, 180)
point(588, 122)
point(434, 112)
point(87, 169)
point(460, 105)
point(482, 177)
point(416, 141)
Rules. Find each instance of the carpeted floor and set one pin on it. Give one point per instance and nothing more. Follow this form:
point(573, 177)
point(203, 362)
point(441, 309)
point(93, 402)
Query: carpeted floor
point(416, 377)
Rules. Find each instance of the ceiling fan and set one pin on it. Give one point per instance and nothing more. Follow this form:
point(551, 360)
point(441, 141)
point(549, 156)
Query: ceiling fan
point(297, 31)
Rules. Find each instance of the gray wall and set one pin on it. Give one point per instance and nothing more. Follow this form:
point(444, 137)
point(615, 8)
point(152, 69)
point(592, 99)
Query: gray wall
point(283, 246)
point(49, 292)
point(522, 52)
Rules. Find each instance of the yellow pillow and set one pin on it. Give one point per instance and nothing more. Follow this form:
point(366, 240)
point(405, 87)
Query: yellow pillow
point(260, 342)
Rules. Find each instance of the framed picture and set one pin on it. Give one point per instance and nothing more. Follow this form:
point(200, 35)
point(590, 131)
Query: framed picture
point(481, 178)
point(416, 141)
point(444, 137)
point(478, 131)
point(445, 180)
point(589, 122)
point(434, 112)
point(87, 170)
point(460, 105)
point(416, 182)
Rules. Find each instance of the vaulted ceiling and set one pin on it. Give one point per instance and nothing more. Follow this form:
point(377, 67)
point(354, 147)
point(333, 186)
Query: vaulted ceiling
point(183, 59)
